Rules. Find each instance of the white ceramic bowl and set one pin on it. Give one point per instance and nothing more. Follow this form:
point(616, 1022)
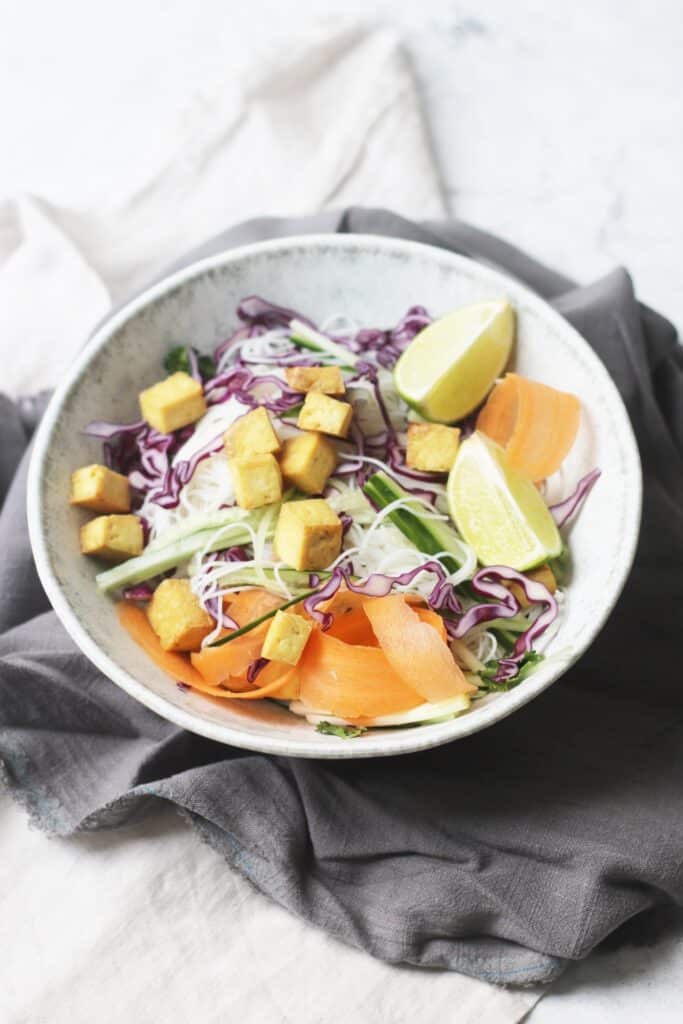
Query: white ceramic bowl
point(375, 280)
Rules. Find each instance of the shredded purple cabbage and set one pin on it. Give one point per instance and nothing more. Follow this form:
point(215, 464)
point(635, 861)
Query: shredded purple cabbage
point(442, 597)
point(564, 510)
point(488, 583)
point(144, 455)
point(387, 441)
point(194, 364)
point(214, 607)
point(387, 345)
point(140, 592)
point(258, 316)
point(256, 311)
point(346, 521)
point(255, 667)
point(239, 382)
point(165, 489)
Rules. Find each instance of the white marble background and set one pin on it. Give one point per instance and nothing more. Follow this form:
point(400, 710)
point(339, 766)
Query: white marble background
point(557, 125)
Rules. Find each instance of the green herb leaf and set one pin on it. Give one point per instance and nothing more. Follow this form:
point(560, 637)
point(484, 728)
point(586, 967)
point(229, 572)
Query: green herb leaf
point(178, 360)
point(561, 567)
point(527, 665)
point(344, 732)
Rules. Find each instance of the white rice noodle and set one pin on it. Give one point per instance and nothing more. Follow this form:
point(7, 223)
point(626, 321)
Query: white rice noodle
point(265, 348)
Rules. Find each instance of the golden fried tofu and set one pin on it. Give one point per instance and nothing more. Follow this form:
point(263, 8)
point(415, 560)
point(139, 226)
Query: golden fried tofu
point(173, 403)
point(251, 434)
point(320, 412)
point(432, 447)
point(100, 489)
point(327, 379)
point(257, 480)
point(286, 638)
point(308, 534)
point(177, 617)
point(307, 460)
point(113, 538)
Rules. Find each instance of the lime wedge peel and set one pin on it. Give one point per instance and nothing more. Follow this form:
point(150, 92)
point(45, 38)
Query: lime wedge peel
point(452, 364)
point(500, 514)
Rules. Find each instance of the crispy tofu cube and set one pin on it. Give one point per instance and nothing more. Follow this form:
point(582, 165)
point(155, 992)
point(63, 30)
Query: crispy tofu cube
point(432, 447)
point(113, 538)
point(286, 638)
point(544, 574)
point(177, 617)
point(257, 480)
point(327, 379)
point(307, 461)
point(320, 412)
point(308, 534)
point(100, 489)
point(251, 434)
point(173, 403)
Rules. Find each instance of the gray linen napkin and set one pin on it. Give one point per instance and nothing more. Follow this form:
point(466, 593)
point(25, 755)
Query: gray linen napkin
point(503, 855)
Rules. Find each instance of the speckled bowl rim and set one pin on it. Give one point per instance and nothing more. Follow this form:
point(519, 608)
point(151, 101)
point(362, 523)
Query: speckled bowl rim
point(379, 743)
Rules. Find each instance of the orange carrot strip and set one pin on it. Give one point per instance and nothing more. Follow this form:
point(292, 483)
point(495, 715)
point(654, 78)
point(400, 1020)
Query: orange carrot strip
point(351, 680)
point(217, 664)
point(275, 670)
point(135, 622)
point(248, 605)
point(352, 625)
point(434, 620)
point(270, 689)
point(535, 424)
point(274, 677)
point(415, 650)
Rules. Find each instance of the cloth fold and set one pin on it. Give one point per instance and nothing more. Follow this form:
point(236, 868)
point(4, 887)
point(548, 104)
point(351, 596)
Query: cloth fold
point(503, 855)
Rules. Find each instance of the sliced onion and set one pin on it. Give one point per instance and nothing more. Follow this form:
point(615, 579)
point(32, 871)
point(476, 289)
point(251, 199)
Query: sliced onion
point(564, 510)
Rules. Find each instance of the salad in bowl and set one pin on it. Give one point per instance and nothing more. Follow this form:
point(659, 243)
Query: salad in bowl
point(346, 519)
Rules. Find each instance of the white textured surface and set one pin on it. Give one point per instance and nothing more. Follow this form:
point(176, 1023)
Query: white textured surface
point(146, 925)
point(557, 125)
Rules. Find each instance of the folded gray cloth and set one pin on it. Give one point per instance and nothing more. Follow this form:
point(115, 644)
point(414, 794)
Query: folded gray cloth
point(503, 855)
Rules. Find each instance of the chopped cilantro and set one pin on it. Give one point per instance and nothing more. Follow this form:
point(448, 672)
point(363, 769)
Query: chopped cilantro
point(345, 732)
point(178, 359)
point(527, 665)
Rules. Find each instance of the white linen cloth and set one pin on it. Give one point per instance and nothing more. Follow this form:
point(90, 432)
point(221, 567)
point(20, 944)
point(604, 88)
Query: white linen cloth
point(146, 923)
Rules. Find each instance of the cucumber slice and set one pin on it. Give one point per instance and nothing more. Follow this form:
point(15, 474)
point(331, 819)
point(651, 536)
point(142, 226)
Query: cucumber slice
point(305, 337)
point(149, 564)
point(423, 714)
point(298, 582)
point(430, 536)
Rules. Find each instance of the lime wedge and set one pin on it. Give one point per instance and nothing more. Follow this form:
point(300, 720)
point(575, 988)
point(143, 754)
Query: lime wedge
point(451, 365)
point(499, 513)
